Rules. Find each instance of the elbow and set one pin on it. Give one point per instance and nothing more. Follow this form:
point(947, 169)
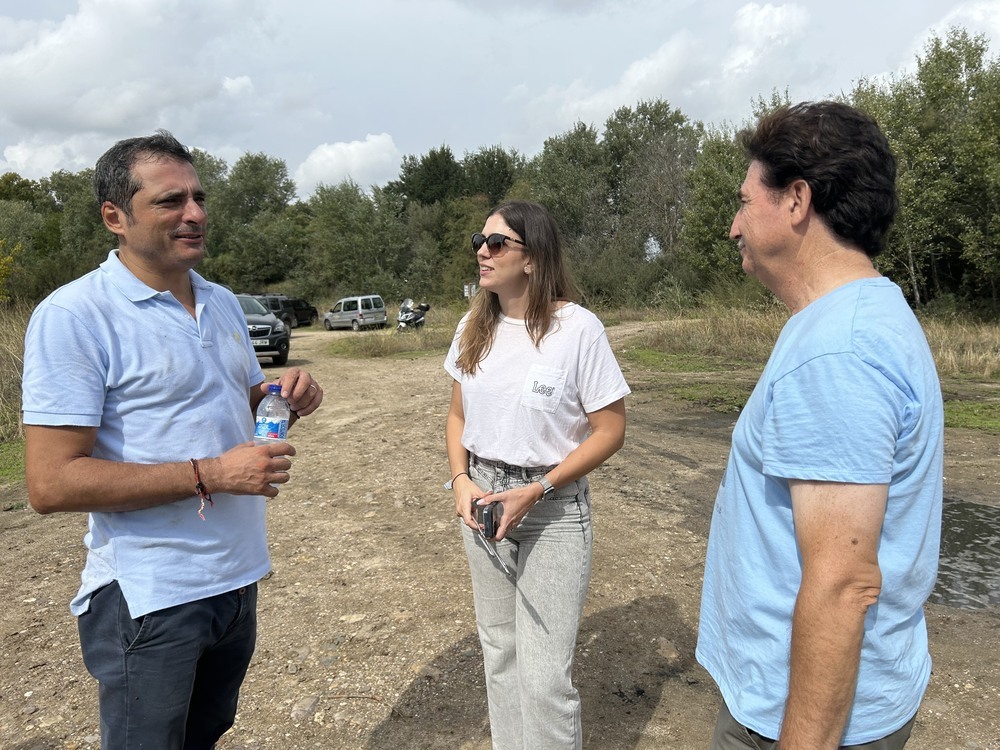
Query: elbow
point(619, 443)
point(42, 497)
point(42, 504)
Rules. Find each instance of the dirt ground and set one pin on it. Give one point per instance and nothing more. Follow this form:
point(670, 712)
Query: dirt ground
point(367, 633)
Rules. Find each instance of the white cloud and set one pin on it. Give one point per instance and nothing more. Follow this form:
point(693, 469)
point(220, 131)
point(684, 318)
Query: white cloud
point(760, 31)
point(36, 156)
point(372, 161)
point(237, 86)
point(238, 76)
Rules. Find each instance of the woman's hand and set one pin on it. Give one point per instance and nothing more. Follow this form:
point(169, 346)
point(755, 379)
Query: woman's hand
point(466, 493)
point(516, 504)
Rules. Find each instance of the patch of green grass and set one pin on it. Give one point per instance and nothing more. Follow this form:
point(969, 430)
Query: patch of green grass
point(12, 461)
point(725, 398)
point(668, 362)
point(389, 343)
point(974, 415)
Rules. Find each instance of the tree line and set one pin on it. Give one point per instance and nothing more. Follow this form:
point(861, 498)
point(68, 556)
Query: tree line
point(644, 204)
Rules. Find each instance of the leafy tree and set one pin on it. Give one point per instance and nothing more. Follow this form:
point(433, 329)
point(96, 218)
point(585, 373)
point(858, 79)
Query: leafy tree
point(706, 257)
point(942, 123)
point(13, 187)
point(491, 172)
point(434, 177)
point(570, 178)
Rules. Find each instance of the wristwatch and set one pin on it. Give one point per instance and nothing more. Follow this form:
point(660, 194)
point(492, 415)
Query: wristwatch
point(547, 488)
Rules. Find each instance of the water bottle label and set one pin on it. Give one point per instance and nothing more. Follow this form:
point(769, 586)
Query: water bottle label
point(271, 429)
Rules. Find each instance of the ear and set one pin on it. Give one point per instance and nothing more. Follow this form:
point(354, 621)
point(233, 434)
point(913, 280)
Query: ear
point(114, 218)
point(800, 201)
point(527, 268)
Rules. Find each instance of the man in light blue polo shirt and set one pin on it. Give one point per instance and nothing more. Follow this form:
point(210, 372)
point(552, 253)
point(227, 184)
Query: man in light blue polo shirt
point(140, 386)
point(825, 534)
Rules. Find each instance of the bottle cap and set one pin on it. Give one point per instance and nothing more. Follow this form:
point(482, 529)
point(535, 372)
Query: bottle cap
point(274, 388)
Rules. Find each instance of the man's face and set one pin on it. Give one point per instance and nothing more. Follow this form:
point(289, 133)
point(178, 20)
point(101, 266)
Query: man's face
point(760, 222)
point(166, 232)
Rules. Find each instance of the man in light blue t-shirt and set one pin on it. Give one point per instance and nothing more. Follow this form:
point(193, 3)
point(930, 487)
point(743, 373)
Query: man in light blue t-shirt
point(139, 390)
point(825, 534)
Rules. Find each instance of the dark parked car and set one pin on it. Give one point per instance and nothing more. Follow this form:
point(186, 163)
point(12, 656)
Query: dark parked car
point(281, 306)
point(269, 336)
point(305, 314)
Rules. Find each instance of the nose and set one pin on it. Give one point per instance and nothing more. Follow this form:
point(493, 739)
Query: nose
point(194, 212)
point(734, 230)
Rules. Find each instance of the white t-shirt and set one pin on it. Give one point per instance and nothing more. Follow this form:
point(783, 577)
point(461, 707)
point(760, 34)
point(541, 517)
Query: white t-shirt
point(527, 405)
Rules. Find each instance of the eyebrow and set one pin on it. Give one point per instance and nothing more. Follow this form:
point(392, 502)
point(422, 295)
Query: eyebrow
point(175, 194)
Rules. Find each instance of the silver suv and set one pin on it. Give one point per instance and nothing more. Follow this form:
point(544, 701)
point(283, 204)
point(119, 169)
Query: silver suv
point(359, 312)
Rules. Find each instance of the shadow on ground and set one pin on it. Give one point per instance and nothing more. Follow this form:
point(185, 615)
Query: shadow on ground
point(625, 657)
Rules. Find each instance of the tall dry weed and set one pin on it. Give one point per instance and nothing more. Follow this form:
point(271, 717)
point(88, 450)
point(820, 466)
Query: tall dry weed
point(964, 347)
point(13, 323)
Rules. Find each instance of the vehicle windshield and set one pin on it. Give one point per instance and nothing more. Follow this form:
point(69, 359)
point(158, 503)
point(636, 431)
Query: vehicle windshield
point(251, 306)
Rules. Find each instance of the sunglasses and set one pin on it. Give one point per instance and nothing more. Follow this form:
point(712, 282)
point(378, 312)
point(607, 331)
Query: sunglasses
point(495, 243)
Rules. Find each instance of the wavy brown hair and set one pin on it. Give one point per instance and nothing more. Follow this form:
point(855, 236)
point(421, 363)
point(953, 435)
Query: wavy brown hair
point(548, 283)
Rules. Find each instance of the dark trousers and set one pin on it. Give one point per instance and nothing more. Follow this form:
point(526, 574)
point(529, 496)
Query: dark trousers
point(731, 735)
point(170, 679)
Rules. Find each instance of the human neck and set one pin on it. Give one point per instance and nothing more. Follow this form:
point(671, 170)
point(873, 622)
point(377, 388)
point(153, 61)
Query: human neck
point(178, 282)
point(515, 307)
point(822, 269)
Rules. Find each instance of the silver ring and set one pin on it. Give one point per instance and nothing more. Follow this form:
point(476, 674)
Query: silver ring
point(312, 385)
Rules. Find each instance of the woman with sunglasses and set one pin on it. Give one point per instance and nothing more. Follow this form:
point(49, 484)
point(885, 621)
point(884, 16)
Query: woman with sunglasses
point(537, 403)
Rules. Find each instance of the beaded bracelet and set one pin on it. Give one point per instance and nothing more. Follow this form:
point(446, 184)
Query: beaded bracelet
point(203, 493)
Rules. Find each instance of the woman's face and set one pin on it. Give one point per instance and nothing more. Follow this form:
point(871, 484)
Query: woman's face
point(504, 271)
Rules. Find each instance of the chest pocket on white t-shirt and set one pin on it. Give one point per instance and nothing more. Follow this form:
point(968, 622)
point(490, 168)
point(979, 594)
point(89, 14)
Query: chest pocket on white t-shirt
point(543, 388)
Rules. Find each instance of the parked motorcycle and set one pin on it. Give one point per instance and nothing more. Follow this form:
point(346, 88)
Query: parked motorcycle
point(411, 317)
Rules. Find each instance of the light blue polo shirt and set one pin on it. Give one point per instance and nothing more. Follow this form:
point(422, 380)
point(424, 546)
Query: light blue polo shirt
point(107, 351)
point(850, 394)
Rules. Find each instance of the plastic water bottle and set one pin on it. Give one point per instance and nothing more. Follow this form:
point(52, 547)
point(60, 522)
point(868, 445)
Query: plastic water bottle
point(272, 417)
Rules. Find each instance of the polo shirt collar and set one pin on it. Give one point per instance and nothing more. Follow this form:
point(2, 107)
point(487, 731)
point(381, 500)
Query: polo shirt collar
point(134, 289)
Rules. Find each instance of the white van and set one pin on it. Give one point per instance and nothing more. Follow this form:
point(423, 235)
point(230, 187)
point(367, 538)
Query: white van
point(359, 312)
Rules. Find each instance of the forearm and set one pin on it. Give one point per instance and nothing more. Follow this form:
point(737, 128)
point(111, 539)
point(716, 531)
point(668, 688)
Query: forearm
point(827, 629)
point(88, 484)
point(606, 438)
point(63, 476)
point(458, 456)
point(837, 529)
point(590, 454)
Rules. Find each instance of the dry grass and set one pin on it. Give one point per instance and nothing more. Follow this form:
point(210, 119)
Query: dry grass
point(13, 323)
point(732, 334)
point(964, 348)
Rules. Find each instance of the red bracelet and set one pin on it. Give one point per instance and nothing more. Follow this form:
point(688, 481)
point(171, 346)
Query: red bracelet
point(203, 493)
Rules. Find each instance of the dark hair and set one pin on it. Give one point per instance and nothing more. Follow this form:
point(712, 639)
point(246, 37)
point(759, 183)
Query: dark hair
point(548, 282)
point(845, 159)
point(113, 177)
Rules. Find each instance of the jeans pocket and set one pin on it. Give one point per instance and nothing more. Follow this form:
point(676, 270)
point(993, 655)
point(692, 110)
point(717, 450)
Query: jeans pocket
point(134, 632)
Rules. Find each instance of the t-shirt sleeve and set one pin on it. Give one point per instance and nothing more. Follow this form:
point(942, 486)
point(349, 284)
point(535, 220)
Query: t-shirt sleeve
point(451, 360)
point(65, 370)
point(833, 419)
point(601, 380)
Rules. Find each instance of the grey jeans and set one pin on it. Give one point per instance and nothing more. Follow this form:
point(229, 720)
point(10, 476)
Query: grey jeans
point(731, 735)
point(528, 622)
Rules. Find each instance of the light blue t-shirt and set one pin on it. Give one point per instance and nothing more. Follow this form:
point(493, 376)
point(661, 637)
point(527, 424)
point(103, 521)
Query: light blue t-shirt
point(850, 394)
point(107, 351)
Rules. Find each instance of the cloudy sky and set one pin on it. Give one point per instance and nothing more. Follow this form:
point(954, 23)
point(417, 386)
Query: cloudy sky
point(345, 89)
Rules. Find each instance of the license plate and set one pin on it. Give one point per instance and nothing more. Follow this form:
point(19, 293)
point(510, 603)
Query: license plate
point(259, 344)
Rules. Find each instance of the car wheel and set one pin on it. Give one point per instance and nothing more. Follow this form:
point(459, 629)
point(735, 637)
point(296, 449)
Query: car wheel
point(282, 356)
point(355, 325)
point(327, 325)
